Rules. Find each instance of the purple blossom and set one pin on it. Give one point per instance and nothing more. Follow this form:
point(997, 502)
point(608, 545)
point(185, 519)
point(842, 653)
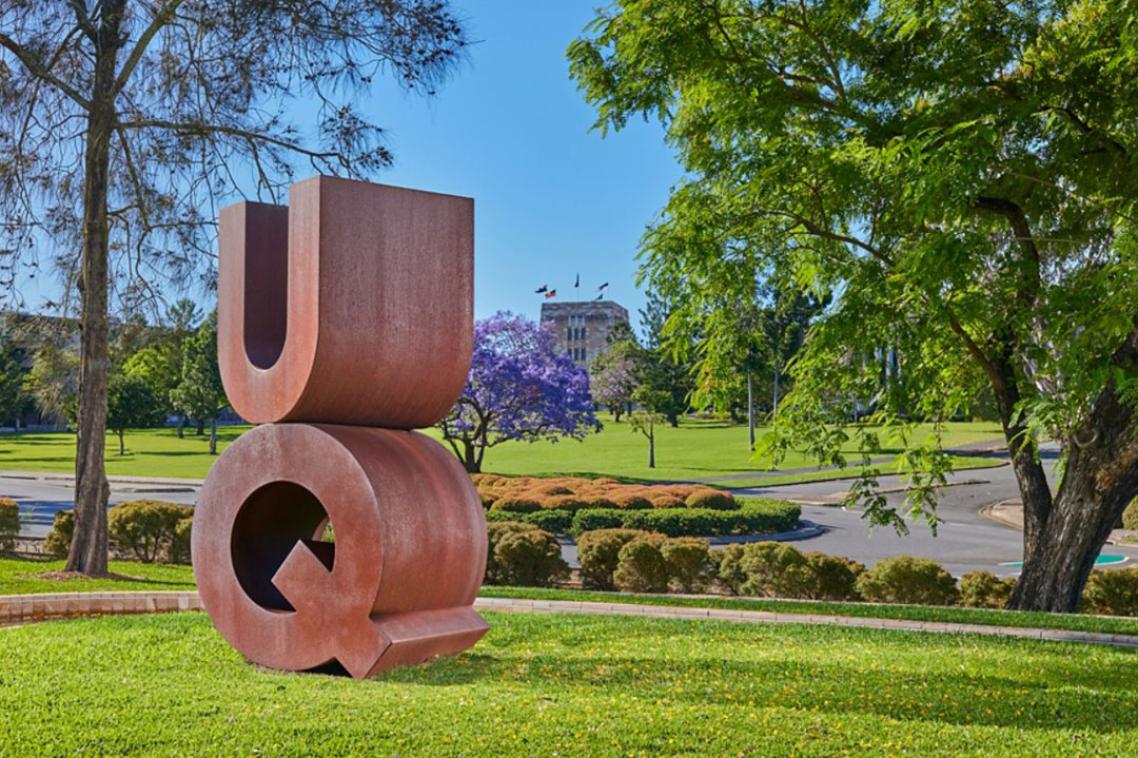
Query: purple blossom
point(519, 388)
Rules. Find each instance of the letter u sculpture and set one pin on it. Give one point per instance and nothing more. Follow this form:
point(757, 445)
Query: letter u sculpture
point(344, 322)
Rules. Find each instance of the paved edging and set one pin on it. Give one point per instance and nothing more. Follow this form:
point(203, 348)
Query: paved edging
point(23, 609)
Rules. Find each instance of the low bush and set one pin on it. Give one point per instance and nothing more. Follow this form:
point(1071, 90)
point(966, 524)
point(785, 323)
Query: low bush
point(516, 505)
point(146, 529)
point(641, 567)
point(9, 524)
point(631, 501)
point(570, 503)
point(558, 522)
point(182, 535)
point(689, 562)
point(495, 531)
point(832, 577)
point(1113, 593)
point(905, 579)
point(755, 517)
point(773, 569)
point(983, 589)
point(529, 557)
point(1130, 516)
point(715, 500)
point(598, 552)
point(58, 541)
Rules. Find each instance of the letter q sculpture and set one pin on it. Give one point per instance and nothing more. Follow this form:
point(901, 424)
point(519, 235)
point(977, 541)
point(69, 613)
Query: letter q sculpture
point(344, 322)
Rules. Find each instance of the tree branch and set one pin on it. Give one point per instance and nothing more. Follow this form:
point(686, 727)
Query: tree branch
point(37, 69)
point(160, 20)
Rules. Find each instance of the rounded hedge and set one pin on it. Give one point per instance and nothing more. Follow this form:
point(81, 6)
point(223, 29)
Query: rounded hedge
point(905, 579)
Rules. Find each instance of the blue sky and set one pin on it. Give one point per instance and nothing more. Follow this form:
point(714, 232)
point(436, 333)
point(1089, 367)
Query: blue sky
point(511, 130)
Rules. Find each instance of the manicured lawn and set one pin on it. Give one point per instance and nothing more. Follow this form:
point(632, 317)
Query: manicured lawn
point(696, 450)
point(18, 576)
point(570, 685)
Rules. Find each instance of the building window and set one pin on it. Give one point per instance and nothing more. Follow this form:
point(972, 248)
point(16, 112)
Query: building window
point(570, 334)
point(584, 332)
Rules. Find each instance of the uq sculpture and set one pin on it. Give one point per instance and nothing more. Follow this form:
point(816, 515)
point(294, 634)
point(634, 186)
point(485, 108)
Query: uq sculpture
point(344, 322)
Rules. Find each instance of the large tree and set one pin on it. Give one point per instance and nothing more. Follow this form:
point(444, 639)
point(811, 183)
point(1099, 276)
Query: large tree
point(124, 123)
point(962, 174)
point(519, 388)
point(199, 393)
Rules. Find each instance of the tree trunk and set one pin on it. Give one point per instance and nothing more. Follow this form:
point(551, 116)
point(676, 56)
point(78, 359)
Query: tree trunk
point(88, 553)
point(181, 426)
point(651, 446)
point(122, 441)
point(201, 427)
point(775, 396)
point(213, 436)
point(1064, 535)
point(750, 410)
point(471, 461)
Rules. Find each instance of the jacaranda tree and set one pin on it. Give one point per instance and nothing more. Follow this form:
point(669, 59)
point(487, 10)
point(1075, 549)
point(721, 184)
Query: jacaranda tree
point(519, 388)
point(962, 175)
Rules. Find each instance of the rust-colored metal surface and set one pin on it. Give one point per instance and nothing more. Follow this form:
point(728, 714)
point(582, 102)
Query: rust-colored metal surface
point(347, 316)
point(353, 305)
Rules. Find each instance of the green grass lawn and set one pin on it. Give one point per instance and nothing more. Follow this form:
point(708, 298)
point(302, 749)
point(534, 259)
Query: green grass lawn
point(696, 450)
point(19, 576)
point(542, 685)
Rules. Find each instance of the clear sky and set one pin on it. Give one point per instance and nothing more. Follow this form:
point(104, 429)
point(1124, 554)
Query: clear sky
point(510, 129)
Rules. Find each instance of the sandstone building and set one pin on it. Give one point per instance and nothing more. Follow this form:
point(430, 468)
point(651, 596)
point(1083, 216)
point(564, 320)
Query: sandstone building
point(581, 328)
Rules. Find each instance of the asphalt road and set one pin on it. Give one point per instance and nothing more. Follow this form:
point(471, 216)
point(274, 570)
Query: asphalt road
point(965, 540)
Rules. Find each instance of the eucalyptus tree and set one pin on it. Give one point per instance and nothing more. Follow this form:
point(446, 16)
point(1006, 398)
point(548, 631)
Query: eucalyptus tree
point(123, 123)
point(962, 175)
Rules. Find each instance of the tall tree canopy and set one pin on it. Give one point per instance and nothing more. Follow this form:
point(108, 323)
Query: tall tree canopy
point(961, 174)
point(123, 124)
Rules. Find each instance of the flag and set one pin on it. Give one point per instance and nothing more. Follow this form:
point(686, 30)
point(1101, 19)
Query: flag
point(550, 294)
point(603, 288)
point(542, 288)
point(578, 282)
point(600, 296)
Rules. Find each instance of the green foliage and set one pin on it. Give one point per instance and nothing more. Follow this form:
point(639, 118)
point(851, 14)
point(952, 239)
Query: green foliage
point(199, 393)
point(983, 589)
point(14, 398)
point(9, 524)
point(689, 562)
point(905, 579)
point(641, 567)
point(131, 403)
point(53, 380)
point(1130, 516)
point(495, 531)
point(832, 577)
point(755, 517)
point(149, 530)
point(529, 557)
point(598, 552)
point(768, 569)
point(58, 541)
point(963, 175)
point(1112, 593)
point(715, 500)
point(183, 531)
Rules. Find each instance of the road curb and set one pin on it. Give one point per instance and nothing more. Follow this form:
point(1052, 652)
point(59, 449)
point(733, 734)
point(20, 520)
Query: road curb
point(25, 609)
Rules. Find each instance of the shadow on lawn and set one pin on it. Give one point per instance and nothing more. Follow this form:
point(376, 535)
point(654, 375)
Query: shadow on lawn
point(1062, 694)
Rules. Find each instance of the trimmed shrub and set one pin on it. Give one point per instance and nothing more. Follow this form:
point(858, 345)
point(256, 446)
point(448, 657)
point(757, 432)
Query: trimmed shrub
point(774, 569)
point(714, 500)
point(983, 589)
point(516, 505)
point(689, 562)
point(755, 517)
point(832, 577)
point(147, 529)
point(631, 501)
point(529, 557)
point(665, 500)
point(9, 524)
point(598, 552)
point(570, 503)
point(905, 579)
point(495, 531)
point(58, 542)
point(641, 566)
point(1113, 593)
point(182, 535)
point(558, 522)
point(1130, 516)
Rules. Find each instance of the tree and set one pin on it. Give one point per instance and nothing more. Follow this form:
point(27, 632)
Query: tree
point(124, 124)
point(131, 404)
point(14, 399)
point(613, 376)
point(519, 388)
point(199, 393)
point(963, 175)
point(53, 381)
point(160, 363)
point(660, 372)
point(643, 419)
